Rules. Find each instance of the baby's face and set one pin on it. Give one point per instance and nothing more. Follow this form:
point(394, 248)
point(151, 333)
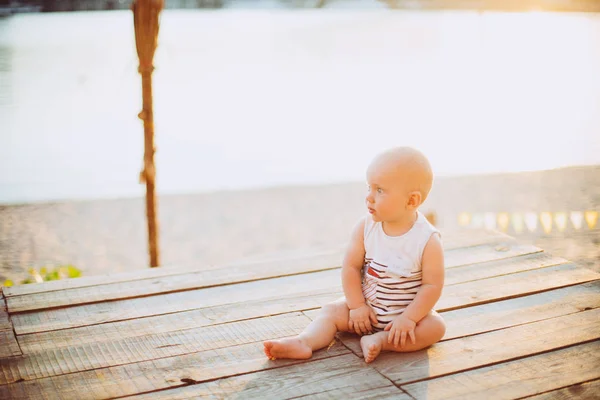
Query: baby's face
point(387, 194)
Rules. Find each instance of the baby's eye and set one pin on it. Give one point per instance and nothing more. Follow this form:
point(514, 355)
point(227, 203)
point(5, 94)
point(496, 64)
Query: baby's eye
point(380, 190)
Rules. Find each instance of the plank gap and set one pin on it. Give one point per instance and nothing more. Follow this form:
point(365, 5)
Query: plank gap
point(212, 313)
point(495, 363)
point(553, 262)
point(272, 367)
point(8, 334)
point(504, 361)
point(558, 393)
point(455, 239)
point(334, 390)
point(539, 373)
point(142, 296)
point(512, 326)
point(517, 295)
point(235, 275)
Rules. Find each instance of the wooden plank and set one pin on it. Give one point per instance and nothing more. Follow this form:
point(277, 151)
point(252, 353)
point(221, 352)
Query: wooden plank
point(94, 280)
point(307, 256)
point(253, 291)
point(515, 311)
point(174, 302)
point(355, 391)
point(8, 343)
point(516, 379)
point(251, 309)
point(480, 254)
point(452, 240)
point(506, 266)
point(5, 324)
point(505, 314)
point(513, 285)
point(582, 391)
point(163, 373)
point(469, 237)
point(186, 301)
point(486, 349)
point(460, 322)
point(169, 284)
point(239, 274)
point(173, 322)
point(169, 278)
point(32, 392)
point(331, 374)
point(135, 349)
point(521, 310)
point(489, 270)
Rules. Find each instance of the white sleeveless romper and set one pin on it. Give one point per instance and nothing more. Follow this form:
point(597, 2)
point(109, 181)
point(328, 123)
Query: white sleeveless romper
point(392, 269)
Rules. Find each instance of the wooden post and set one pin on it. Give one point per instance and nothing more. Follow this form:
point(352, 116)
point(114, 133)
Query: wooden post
point(145, 17)
point(149, 170)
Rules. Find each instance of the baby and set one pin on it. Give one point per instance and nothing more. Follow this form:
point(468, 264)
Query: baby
point(392, 272)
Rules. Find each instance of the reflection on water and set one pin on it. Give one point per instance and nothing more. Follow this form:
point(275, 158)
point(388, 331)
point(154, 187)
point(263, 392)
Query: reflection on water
point(255, 98)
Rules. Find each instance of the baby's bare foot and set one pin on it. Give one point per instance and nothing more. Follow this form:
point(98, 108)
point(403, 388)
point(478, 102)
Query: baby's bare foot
point(287, 348)
point(371, 347)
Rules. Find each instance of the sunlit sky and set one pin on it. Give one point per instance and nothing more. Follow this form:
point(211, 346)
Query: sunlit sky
point(261, 98)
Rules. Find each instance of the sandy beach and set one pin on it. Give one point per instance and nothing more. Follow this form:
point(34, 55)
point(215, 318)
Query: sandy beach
point(105, 236)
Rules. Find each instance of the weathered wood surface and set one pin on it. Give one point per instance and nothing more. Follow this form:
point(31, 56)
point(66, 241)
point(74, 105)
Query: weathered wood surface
point(543, 372)
point(208, 316)
point(457, 239)
point(194, 319)
point(583, 391)
point(345, 373)
point(8, 342)
point(233, 274)
point(504, 314)
point(243, 358)
point(492, 347)
point(119, 350)
point(520, 323)
point(265, 290)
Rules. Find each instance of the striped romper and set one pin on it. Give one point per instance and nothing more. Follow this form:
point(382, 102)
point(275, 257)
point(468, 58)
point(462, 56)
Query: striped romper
point(392, 269)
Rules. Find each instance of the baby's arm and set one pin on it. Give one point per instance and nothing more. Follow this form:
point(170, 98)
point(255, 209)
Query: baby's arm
point(352, 265)
point(432, 267)
point(361, 315)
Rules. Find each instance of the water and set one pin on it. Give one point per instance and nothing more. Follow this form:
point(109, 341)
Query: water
point(251, 98)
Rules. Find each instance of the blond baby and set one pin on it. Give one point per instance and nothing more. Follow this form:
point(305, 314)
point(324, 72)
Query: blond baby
point(392, 272)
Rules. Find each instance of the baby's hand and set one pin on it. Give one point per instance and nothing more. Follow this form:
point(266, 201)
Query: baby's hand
point(360, 320)
point(399, 328)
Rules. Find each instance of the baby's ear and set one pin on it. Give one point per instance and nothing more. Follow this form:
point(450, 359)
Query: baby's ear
point(414, 199)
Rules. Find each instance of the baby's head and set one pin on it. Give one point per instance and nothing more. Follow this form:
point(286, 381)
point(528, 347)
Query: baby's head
point(399, 181)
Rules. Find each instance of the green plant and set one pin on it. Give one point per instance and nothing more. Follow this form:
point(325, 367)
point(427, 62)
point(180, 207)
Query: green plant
point(45, 274)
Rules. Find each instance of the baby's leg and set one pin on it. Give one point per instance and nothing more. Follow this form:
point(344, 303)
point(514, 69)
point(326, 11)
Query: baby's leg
point(427, 332)
point(318, 334)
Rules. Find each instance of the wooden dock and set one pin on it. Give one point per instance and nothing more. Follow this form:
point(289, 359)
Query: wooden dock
point(521, 323)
